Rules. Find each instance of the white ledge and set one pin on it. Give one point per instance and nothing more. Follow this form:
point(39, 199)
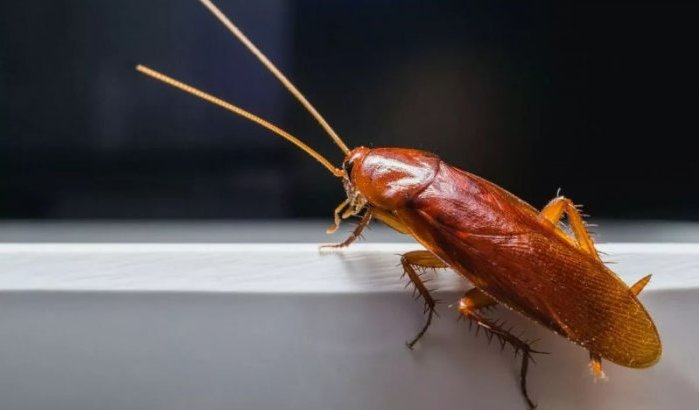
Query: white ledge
point(277, 267)
point(284, 326)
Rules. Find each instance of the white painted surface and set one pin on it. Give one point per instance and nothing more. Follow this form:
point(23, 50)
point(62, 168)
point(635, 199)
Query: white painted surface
point(269, 326)
point(277, 268)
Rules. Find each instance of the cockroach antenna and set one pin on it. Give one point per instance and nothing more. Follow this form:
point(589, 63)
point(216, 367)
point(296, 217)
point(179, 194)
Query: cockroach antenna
point(252, 117)
point(274, 70)
point(243, 113)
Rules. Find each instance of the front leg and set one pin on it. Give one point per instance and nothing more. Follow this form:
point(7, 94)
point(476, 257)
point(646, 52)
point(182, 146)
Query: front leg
point(355, 234)
point(384, 216)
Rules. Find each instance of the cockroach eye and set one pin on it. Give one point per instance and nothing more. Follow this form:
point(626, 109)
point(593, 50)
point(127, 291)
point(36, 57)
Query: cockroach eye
point(348, 166)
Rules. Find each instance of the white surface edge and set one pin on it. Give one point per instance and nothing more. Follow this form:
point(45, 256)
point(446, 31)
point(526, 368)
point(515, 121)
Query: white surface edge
point(274, 268)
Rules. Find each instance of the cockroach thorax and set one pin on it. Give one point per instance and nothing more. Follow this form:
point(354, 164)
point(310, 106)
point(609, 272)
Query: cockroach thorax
point(389, 177)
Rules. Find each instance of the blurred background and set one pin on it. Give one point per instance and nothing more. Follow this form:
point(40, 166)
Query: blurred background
point(598, 99)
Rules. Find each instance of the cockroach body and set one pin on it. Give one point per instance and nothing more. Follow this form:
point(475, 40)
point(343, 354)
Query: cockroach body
point(512, 254)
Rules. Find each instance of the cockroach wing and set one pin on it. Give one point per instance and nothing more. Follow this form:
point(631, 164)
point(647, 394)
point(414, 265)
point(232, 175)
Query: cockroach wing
point(502, 246)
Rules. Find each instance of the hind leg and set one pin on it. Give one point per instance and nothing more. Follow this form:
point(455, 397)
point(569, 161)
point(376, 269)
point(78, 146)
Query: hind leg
point(469, 305)
point(553, 212)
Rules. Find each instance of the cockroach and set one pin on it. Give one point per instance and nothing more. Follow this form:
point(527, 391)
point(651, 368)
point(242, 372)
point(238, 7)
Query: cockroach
point(512, 254)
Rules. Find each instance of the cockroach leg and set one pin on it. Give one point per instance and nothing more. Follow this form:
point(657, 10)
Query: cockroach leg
point(355, 234)
point(475, 300)
point(469, 305)
point(336, 216)
point(553, 212)
point(421, 259)
point(596, 366)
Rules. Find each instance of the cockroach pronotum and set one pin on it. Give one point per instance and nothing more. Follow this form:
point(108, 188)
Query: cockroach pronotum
point(512, 254)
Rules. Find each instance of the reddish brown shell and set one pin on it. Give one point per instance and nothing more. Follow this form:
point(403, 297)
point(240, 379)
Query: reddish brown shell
point(503, 247)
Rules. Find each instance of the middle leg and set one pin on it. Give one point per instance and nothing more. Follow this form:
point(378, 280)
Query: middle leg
point(421, 259)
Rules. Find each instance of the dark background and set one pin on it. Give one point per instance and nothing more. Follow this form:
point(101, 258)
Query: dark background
point(596, 98)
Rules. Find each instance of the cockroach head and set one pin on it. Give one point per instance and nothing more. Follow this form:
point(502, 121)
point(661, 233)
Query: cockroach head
point(355, 202)
point(353, 158)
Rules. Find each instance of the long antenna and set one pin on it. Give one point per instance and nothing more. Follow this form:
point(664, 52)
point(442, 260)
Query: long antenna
point(273, 69)
point(237, 110)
